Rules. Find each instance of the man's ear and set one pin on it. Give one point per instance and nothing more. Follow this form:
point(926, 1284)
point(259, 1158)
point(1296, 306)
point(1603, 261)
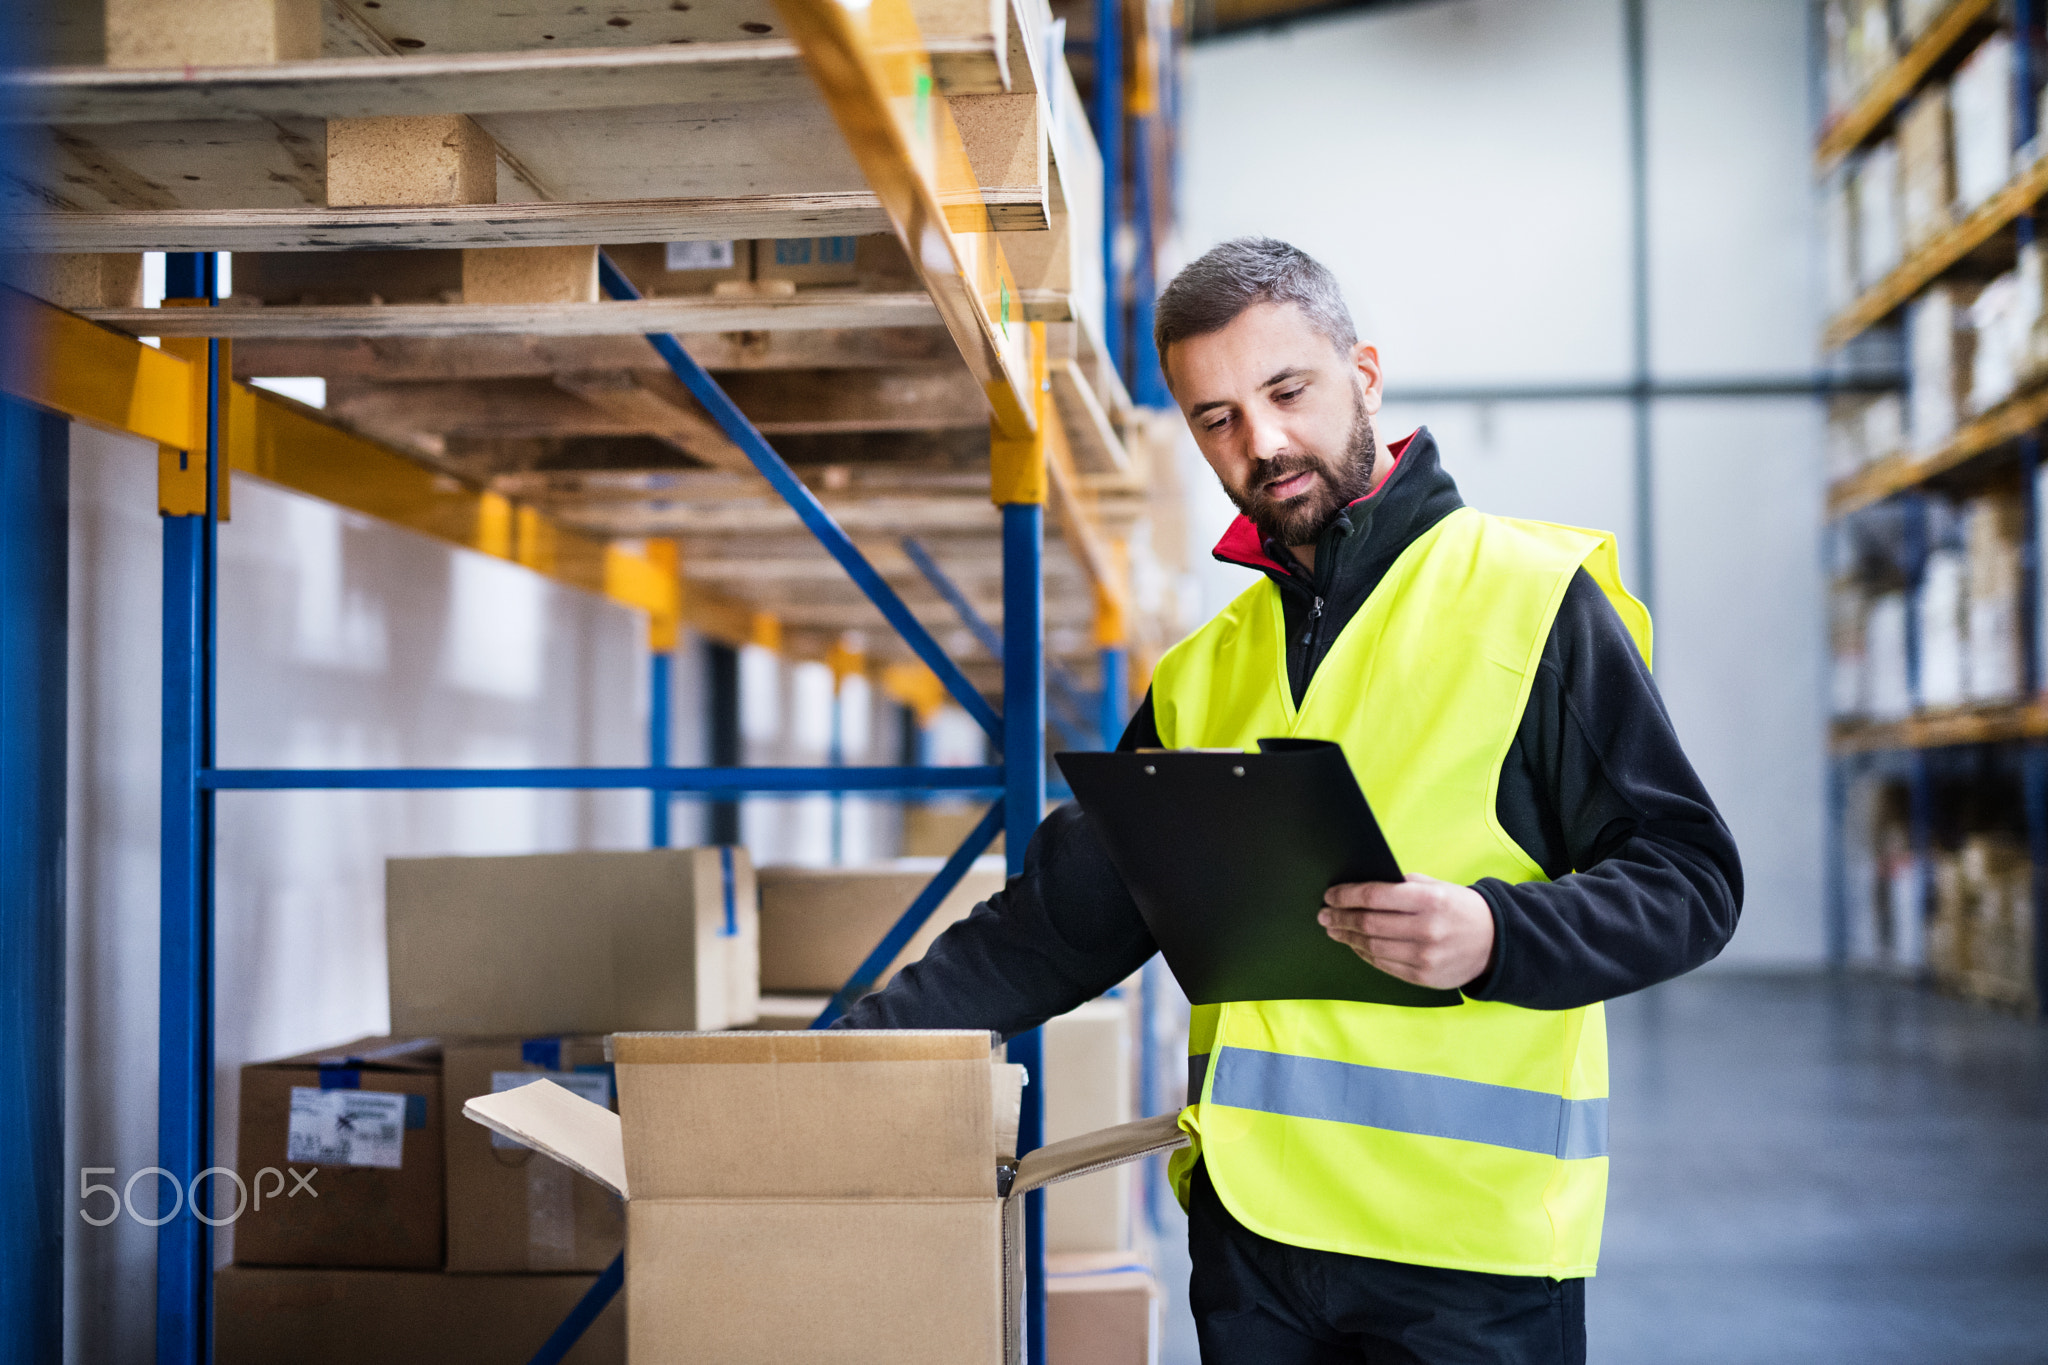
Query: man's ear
point(1365, 359)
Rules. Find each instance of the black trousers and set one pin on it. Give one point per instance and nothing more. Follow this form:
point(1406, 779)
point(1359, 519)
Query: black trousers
point(1261, 1302)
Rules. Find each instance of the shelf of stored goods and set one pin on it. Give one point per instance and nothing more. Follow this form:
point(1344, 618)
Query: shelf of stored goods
point(1922, 607)
point(432, 201)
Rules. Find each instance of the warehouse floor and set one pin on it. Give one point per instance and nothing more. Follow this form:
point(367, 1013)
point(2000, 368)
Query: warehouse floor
point(1812, 1170)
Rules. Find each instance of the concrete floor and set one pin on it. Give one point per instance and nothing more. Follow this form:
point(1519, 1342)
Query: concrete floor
point(1811, 1170)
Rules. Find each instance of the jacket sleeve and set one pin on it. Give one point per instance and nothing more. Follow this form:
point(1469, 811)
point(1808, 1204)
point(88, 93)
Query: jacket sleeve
point(1057, 936)
point(1648, 884)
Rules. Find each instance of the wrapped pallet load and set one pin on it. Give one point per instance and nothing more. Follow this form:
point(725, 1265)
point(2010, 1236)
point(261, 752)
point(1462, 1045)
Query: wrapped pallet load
point(1940, 351)
point(1879, 239)
point(1993, 530)
point(1927, 181)
point(1981, 107)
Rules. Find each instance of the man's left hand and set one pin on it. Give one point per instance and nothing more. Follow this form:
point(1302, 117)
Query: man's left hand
point(1426, 932)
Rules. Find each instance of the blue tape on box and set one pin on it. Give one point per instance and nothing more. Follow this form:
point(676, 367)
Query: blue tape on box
point(545, 1053)
point(415, 1111)
point(340, 1078)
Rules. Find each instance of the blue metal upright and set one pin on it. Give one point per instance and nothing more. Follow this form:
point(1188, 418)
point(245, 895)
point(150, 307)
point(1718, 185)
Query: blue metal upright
point(660, 700)
point(34, 531)
point(1108, 109)
point(1115, 701)
point(1024, 803)
point(184, 1271)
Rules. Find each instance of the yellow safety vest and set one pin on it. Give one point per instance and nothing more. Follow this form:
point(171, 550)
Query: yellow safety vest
point(1472, 1137)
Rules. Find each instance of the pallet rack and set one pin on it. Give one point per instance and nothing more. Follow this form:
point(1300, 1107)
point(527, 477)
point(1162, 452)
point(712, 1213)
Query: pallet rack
point(953, 130)
point(2005, 738)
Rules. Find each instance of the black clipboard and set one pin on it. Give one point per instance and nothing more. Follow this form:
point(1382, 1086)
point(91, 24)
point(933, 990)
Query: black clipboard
point(1228, 856)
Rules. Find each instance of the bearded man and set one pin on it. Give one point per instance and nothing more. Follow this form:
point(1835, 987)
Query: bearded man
point(1370, 1182)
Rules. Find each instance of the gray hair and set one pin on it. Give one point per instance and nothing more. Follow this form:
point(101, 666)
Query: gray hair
point(1228, 278)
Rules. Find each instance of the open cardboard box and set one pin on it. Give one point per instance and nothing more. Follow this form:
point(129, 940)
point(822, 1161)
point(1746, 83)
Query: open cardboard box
point(837, 1195)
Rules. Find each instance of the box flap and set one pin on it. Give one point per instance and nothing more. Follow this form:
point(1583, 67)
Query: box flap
point(1006, 1098)
point(825, 1115)
point(805, 1045)
point(582, 1136)
point(1099, 1150)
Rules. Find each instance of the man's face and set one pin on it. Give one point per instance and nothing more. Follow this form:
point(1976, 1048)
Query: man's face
point(1281, 415)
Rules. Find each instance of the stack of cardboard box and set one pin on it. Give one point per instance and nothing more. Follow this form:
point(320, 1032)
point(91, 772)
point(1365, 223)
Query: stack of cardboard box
point(419, 1234)
point(1980, 941)
point(392, 1228)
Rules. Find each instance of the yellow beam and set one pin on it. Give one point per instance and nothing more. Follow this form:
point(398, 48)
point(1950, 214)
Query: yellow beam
point(870, 66)
point(62, 362)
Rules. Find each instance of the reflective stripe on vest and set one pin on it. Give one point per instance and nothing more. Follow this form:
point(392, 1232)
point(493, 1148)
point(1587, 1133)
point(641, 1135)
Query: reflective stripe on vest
point(1411, 1102)
point(1472, 1137)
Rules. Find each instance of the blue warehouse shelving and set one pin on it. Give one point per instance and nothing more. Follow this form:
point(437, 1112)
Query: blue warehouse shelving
point(863, 77)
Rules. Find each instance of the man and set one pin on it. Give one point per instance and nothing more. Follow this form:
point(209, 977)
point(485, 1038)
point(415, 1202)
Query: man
point(1369, 1182)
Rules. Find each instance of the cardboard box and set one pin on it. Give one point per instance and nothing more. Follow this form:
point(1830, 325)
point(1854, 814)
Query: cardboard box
point(841, 1196)
point(790, 1013)
point(341, 1154)
point(819, 924)
point(572, 943)
point(509, 1208)
point(1101, 1309)
point(805, 261)
point(1089, 1084)
point(263, 1316)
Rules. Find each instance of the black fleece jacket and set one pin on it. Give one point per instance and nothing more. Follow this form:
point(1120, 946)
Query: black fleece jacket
point(1644, 881)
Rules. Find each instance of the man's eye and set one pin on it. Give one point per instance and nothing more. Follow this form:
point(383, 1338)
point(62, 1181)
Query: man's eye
point(1288, 396)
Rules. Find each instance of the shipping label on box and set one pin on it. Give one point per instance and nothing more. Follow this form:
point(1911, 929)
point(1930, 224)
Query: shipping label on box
point(837, 1195)
point(349, 1127)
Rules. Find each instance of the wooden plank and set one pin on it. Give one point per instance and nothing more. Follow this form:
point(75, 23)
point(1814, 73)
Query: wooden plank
point(971, 38)
point(667, 411)
point(1096, 446)
point(727, 73)
point(792, 402)
point(1873, 108)
point(1992, 724)
point(505, 357)
point(308, 227)
point(1938, 256)
point(2005, 423)
point(804, 311)
point(649, 403)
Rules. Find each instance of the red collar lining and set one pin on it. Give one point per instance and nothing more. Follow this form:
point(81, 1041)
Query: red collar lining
point(1240, 543)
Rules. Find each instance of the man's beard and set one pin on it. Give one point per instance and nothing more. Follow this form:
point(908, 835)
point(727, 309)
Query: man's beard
point(1302, 519)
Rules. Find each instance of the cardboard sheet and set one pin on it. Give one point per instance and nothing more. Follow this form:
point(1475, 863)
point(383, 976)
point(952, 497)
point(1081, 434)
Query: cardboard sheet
point(1098, 1151)
point(583, 1136)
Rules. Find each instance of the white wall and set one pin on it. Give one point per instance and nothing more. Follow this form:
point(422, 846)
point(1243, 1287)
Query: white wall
point(1462, 167)
point(342, 642)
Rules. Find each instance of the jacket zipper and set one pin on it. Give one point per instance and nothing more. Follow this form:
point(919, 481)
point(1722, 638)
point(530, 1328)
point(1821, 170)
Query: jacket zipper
point(1308, 636)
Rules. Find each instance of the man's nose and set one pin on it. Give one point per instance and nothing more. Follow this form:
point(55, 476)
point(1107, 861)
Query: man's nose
point(1265, 438)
